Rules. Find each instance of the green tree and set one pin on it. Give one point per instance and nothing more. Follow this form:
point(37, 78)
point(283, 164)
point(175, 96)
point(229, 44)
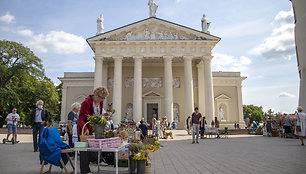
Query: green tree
point(17, 60)
point(23, 82)
point(255, 113)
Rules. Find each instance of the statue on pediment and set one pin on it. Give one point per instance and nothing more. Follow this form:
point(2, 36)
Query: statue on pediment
point(100, 26)
point(205, 24)
point(152, 8)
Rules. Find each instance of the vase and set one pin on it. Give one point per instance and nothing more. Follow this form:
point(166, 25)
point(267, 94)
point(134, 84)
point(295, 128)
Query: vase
point(132, 166)
point(99, 131)
point(141, 166)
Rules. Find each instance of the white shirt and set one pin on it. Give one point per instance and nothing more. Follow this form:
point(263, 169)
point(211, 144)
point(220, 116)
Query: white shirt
point(137, 124)
point(12, 116)
point(96, 109)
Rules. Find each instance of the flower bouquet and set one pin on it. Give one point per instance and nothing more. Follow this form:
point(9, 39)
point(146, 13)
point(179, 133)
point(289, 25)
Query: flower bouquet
point(99, 123)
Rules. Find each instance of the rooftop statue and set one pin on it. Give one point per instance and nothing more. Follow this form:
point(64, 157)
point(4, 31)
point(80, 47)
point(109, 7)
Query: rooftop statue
point(152, 8)
point(205, 24)
point(100, 26)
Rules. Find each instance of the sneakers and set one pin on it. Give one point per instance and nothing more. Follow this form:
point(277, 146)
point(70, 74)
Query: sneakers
point(197, 142)
point(192, 142)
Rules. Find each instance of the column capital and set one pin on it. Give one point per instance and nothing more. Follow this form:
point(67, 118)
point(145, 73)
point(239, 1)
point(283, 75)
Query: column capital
point(137, 57)
point(208, 57)
point(98, 58)
point(188, 57)
point(168, 57)
point(118, 58)
point(200, 65)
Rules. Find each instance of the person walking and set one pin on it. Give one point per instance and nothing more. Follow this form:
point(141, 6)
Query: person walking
point(300, 128)
point(188, 124)
point(217, 125)
point(195, 123)
point(38, 120)
point(11, 120)
point(72, 121)
point(203, 123)
point(92, 105)
point(287, 126)
point(269, 126)
point(153, 124)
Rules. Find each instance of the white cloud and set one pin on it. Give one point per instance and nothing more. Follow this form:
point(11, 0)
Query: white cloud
point(280, 44)
point(26, 32)
point(224, 62)
point(286, 94)
point(59, 42)
point(8, 18)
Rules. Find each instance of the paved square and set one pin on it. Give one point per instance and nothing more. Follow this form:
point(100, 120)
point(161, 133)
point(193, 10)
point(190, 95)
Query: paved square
point(237, 154)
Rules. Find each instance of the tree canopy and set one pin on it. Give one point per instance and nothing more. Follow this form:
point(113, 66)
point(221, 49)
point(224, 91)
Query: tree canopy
point(255, 113)
point(22, 82)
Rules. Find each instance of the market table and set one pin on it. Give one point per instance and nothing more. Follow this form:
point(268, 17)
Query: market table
point(115, 150)
point(211, 131)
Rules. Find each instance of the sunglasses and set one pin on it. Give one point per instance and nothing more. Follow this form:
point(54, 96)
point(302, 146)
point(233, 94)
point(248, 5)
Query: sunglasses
point(102, 98)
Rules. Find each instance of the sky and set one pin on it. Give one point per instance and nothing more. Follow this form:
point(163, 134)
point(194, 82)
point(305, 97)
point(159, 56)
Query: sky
point(257, 37)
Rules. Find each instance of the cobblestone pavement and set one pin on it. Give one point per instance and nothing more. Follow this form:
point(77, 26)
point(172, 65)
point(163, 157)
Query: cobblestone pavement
point(237, 154)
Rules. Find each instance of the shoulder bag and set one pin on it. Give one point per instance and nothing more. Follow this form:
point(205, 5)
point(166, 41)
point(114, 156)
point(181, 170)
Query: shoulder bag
point(298, 127)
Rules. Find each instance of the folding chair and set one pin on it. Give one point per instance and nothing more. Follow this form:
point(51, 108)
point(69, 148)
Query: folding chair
point(64, 151)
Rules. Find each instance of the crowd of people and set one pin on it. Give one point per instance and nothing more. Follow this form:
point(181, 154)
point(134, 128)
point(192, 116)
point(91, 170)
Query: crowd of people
point(288, 126)
point(93, 105)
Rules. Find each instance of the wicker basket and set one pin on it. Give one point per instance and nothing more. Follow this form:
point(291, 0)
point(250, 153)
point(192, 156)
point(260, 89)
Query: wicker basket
point(83, 138)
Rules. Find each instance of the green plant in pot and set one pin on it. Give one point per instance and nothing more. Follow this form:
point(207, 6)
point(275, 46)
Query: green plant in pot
point(138, 157)
point(99, 123)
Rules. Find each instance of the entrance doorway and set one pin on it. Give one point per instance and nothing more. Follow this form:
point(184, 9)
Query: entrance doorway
point(152, 108)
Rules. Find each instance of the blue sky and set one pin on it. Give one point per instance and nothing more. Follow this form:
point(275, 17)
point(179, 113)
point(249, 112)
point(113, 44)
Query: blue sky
point(256, 37)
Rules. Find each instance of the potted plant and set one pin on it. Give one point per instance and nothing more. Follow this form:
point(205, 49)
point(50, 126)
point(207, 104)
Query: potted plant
point(137, 154)
point(99, 123)
point(141, 158)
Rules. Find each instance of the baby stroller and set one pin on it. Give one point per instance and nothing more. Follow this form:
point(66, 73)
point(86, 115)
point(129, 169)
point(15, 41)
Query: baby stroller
point(13, 141)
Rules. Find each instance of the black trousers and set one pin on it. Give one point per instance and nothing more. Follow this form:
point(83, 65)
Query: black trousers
point(70, 140)
point(202, 131)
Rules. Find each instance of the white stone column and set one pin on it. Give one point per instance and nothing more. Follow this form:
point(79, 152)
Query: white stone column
point(64, 104)
point(240, 106)
point(189, 102)
point(302, 93)
point(117, 89)
point(168, 88)
point(137, 93)
point(209, 94)
point(201, 87)
point(104, 83)
point(98, 72)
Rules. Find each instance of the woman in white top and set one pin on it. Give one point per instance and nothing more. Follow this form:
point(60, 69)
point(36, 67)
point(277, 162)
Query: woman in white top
point(300, 121)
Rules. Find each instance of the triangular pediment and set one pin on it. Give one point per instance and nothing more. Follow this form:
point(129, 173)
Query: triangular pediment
point(152, 94)
point(153, 29)
point(222, 97)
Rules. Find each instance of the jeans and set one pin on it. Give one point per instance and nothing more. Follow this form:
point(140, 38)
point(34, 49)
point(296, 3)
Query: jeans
point(37, 127)
point(195, 128)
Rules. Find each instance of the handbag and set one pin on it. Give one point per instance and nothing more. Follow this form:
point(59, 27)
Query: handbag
point(298, 127)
